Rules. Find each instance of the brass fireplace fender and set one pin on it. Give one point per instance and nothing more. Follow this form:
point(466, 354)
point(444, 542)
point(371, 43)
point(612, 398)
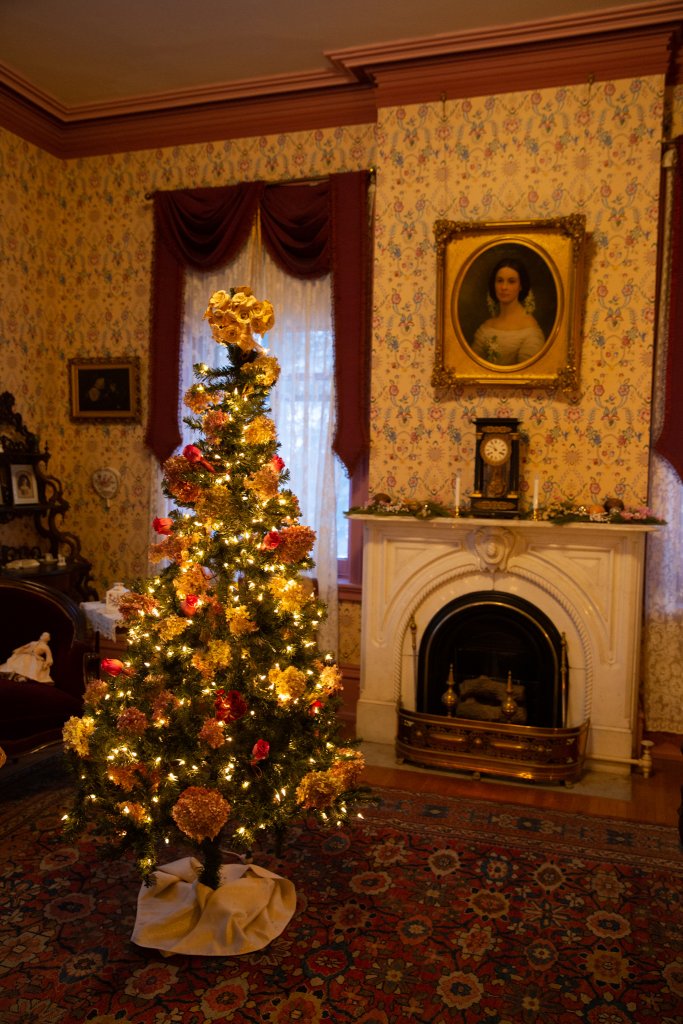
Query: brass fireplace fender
point(512, 751)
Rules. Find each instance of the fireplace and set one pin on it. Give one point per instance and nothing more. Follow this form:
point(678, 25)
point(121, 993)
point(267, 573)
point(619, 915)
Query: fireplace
point(493, 657)
point(564, 605)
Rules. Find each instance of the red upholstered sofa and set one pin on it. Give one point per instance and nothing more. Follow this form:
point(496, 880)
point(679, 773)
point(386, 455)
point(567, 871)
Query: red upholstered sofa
point(32, 714)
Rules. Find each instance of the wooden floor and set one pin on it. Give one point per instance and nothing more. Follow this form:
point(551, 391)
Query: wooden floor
point(655, 800)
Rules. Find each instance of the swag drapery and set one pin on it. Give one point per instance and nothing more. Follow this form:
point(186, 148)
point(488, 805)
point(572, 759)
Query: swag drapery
point(309, 230)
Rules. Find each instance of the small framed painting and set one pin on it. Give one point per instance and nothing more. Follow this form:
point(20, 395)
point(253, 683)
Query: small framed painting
point(24, 485)
point(509, 303)
point(105, 389)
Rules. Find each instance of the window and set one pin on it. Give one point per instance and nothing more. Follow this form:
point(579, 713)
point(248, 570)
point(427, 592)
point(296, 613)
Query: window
point(311, 227)
point(302, 402)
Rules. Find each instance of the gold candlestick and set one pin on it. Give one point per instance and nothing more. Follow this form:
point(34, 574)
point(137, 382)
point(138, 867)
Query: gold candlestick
point(509, 704)
point(450, 697)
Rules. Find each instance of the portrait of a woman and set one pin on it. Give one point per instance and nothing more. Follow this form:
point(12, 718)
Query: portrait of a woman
point(508, 303)
point(512, 334)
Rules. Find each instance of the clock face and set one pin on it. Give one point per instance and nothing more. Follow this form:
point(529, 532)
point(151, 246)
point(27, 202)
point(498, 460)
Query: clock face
point(495, 450)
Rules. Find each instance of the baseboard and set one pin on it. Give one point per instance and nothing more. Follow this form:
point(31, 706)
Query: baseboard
point(667, 745)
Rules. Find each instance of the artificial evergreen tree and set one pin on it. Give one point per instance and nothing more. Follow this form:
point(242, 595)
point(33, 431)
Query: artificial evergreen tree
point(220, 725)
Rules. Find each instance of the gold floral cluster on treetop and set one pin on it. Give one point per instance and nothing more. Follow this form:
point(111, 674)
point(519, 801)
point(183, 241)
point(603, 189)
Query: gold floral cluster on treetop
point(236, 316)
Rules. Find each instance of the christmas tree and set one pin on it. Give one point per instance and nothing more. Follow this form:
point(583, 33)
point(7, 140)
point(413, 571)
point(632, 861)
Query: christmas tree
point(220, 725)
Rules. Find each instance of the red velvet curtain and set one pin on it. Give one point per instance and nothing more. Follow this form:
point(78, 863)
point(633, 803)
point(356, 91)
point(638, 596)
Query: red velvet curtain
point(669, 444)
point(309, 230)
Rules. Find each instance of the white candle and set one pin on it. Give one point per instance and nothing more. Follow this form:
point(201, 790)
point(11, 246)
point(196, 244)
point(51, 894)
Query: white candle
point(535, 502)
point(457, 490)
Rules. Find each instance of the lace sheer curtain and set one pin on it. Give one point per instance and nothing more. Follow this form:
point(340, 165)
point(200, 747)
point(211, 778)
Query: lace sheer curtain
point(302, 402)
point(663, 627)
point(663, 637)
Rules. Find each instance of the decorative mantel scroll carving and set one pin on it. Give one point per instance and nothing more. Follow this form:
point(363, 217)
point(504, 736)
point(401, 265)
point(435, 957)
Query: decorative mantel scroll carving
point(492, 545)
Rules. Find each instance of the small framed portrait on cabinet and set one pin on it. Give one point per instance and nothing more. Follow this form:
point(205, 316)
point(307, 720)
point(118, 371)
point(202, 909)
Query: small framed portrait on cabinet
point(24, 485)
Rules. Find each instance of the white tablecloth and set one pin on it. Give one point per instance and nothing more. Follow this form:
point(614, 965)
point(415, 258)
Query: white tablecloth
point(102, 619)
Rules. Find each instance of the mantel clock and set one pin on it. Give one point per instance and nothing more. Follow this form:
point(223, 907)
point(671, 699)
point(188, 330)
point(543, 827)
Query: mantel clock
point(496, 469)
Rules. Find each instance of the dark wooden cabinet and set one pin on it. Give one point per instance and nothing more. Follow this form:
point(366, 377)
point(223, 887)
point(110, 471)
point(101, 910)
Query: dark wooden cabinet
point(29, 491)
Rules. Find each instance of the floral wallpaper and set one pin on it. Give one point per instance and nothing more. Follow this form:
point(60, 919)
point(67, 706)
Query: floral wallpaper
point(76, 252)
point(591, 150)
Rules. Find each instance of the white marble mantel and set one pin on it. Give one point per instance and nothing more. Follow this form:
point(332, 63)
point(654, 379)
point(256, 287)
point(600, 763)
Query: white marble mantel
point(587, 577)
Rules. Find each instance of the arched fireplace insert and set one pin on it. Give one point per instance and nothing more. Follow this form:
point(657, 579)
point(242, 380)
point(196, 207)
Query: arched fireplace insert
point(494, 658)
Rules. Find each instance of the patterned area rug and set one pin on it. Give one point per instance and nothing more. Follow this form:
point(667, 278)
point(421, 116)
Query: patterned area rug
point(429, 909)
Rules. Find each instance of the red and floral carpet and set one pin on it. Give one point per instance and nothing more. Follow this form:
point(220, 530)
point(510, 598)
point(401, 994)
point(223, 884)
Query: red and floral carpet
point(430, 909)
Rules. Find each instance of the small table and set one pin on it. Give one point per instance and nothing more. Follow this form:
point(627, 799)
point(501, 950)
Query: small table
point(106, 623)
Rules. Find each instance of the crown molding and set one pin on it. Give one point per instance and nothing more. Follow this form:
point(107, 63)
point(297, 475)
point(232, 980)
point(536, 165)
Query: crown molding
point(539, 65)
point(251, 88)
point(643, 39)
point(357, 60)
point(157, 129)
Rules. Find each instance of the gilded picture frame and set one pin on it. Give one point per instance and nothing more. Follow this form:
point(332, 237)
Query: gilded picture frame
point(102, 390)
point(471, 349)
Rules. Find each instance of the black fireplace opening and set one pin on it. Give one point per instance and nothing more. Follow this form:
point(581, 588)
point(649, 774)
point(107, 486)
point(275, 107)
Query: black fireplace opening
point(496, 658)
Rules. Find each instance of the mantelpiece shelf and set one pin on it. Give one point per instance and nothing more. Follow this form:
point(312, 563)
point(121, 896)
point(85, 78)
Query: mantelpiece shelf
point(474, 522)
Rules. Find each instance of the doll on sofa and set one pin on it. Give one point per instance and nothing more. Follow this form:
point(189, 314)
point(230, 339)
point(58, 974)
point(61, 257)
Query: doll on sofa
point(32, 661)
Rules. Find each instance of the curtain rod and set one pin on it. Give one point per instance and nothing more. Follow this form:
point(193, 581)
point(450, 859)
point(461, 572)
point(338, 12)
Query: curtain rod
point(313, 180)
